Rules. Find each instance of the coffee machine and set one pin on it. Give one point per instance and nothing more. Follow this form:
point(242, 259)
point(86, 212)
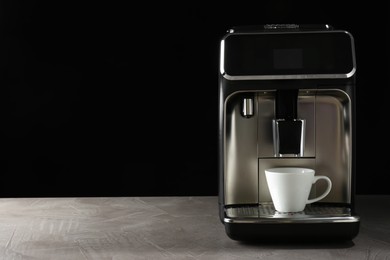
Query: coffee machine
point(287, 97)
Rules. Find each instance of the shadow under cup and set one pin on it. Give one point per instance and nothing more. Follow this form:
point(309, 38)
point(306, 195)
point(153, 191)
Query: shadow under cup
point(290, 187)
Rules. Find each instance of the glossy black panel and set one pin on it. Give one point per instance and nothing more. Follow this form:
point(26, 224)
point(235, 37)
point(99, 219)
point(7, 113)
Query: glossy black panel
point(289, 54)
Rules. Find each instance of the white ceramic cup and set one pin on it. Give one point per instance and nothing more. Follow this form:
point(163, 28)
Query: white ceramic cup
point(290, 187)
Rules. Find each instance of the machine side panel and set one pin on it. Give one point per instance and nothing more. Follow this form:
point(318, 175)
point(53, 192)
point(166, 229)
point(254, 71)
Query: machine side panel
point(334, 144)
point(241, 178)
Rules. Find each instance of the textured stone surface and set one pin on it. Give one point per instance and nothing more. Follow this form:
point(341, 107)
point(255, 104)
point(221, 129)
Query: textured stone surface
point(162, 228)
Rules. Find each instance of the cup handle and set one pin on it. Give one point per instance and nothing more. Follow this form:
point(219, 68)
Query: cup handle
point(326, 192)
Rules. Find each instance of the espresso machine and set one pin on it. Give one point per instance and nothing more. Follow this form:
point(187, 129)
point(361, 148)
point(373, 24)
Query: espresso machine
point(287, 97)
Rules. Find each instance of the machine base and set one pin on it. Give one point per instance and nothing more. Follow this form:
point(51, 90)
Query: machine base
point(315, 223)
point(297, 232)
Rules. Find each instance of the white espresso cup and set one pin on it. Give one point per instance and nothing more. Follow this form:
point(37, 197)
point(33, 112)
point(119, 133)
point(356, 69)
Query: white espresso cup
point(290, 187)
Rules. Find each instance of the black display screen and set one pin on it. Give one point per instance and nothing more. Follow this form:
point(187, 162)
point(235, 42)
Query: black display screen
point(288, 54)
point(287, 58)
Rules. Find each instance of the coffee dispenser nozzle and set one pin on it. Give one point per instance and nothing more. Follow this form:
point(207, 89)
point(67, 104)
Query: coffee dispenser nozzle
point(288, 129)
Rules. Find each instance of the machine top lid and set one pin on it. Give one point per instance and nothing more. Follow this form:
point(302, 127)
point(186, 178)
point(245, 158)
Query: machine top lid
point(280, 28)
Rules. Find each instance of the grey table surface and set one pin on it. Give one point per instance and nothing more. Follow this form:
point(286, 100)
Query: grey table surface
point(163, 228)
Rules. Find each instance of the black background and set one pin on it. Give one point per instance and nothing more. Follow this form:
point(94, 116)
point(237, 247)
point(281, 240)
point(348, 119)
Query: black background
point(114, 99)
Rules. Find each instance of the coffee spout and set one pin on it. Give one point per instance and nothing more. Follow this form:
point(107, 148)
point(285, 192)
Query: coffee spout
point(288, 129)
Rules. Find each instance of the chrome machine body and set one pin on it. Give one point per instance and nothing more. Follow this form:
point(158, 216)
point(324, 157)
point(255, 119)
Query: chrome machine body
point(286, 98)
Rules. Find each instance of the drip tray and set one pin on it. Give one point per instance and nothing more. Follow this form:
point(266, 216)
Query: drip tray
point(266, 213)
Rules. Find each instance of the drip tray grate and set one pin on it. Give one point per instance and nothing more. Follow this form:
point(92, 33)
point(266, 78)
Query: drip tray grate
point(267, 213)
